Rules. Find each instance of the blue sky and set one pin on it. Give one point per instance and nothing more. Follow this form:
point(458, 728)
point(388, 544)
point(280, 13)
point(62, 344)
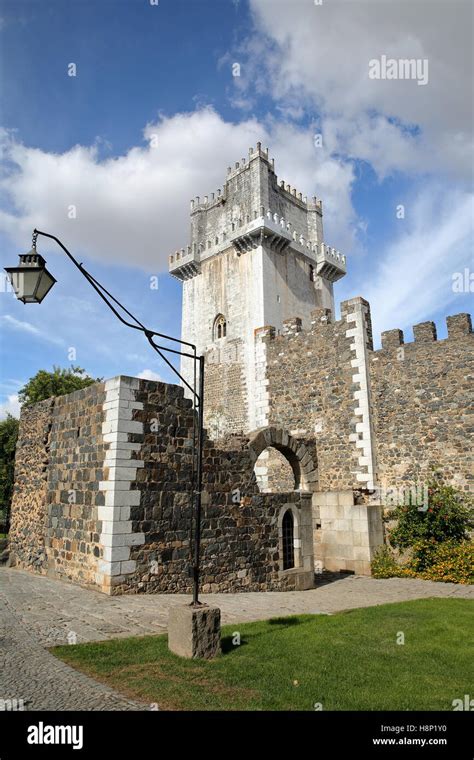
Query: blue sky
point(154, 116)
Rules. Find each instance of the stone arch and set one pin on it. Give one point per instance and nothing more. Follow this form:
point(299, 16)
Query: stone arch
point(298, 453)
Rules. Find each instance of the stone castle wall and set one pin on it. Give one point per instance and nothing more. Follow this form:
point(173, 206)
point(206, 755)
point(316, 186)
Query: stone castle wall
point(423, 405)
point(29, 503)
point(75, 468)
point(395, 413)
point(103, 497)
point(60, 453)
point(240, 531)
point(103, 476)
point(308, 388)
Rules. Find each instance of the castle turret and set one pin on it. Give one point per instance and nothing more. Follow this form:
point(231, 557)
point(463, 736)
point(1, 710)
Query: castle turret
point(257, 256)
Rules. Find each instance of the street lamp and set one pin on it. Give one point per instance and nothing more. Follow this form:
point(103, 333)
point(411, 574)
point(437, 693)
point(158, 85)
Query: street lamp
point(31, 282)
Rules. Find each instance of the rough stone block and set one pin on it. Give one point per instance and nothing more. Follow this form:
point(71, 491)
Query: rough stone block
point(392, 339)
point(425, 332)
point(459, 325)
point(195, 632)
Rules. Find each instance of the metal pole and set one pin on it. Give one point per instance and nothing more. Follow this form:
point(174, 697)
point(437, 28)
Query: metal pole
point(197, 529)
point(150, 334)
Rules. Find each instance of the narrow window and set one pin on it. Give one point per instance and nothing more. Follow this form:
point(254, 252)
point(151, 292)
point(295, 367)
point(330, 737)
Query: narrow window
point(288, 540)
point(220, 327)
point(311, 273)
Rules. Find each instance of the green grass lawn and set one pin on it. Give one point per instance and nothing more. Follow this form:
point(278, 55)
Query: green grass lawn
point(347, 661)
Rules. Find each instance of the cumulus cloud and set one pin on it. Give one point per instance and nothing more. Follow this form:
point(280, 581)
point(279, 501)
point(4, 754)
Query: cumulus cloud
point(134, 209)
point(149, 374)
point(10, 406)
point(414, 276)
point(318, 56)
point(311, 61)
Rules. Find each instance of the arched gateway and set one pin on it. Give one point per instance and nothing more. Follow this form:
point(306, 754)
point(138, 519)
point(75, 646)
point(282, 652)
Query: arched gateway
point(301, 456)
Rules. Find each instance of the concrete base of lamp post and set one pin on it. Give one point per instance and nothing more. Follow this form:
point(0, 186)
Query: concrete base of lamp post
point(195, 632)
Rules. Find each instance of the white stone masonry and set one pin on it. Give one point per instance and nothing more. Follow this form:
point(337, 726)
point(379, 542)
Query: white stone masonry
point(121, 467)
point(363, 437)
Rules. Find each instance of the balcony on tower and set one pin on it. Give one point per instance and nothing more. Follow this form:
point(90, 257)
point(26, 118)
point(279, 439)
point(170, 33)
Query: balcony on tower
point(184, 264)
point(267, 229)
point(330, 264)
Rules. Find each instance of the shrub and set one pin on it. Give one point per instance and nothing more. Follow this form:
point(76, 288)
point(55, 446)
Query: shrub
point(384, 564)
point(447, 518)
point(437, 539)
point(452, 562)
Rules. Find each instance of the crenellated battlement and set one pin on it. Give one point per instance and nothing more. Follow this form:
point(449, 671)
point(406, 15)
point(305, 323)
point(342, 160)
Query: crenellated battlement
point(459, 326)
point(252, 202)
point(247, 233)
point(380, 418)
point(219, 196)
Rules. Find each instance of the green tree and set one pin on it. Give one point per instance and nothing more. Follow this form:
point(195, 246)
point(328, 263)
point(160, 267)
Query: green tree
point(41, 386)
point(447, 518)
point(56, 383)
point(8, 439)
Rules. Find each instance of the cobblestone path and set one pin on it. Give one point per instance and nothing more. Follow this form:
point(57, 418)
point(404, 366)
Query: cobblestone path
point(37, 612)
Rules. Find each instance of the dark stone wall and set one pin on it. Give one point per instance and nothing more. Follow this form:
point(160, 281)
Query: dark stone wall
point(311, 393)
point(422, 418)
point(75, 469)
point(28, 512)
point(424, 406)
point(58, 467)
point(421, 398)
point(240, 543)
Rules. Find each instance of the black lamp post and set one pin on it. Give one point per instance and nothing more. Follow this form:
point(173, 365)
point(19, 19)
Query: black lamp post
point(31, 282)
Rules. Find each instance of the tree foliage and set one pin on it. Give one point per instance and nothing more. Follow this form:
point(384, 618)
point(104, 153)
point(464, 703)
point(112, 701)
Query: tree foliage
point(56, 383)
point(447, 518)
point(38, 388)
point(8, 439)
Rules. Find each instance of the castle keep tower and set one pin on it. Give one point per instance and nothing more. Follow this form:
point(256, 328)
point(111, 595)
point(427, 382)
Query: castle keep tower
point(257, 257)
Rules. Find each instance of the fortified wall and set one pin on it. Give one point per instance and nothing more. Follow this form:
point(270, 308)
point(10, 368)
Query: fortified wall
point(102, 497)
point(385, 418)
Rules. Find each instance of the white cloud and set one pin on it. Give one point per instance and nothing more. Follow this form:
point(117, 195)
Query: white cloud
point(317, 56)
point(414, 277)
point(11, 406)
point(148, 374)
point(134, 209)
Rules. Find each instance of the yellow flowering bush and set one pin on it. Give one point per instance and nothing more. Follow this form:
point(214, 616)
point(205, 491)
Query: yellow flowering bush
point(437, 539)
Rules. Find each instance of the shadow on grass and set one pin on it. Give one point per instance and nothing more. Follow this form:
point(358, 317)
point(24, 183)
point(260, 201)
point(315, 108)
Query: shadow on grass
point(228, 646)
point(227, 642)
point(285, 621)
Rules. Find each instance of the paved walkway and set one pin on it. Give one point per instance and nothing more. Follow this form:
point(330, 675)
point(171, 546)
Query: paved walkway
point(37, 612)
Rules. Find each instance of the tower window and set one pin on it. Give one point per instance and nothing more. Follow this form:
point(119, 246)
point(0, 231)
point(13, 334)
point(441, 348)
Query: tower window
point(288, 540)
point(220, 327)
point(311, 273)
